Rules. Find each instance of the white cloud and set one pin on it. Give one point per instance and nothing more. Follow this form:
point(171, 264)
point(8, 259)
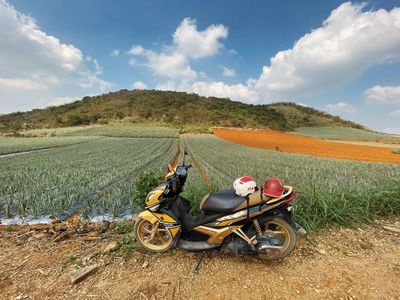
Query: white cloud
point(140, 85)
point(115, 52)
point(136, 50)
point(348, 42)
point(395, 113)
point(173, 65)
point(61, 100)
point(188, 43)
point(340, 107)
point(237, 92)
point(21, 84)
point(232, 52)
point(227, 72)
point(31, 60)
point(132, 61)
point(302, 104)
point(196, 44)
point(383, 94)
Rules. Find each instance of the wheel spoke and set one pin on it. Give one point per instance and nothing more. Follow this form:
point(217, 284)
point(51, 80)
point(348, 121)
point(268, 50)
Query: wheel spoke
point(146, 230)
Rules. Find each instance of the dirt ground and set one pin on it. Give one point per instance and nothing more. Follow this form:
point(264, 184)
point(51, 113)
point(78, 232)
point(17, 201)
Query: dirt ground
point(335, 264)
point(293, 143)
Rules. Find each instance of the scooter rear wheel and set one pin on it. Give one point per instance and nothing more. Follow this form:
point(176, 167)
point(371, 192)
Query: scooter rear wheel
point(281, 231)
point(153, 237)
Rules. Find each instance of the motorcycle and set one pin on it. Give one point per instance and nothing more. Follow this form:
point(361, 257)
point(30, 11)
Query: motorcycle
point(254, 224)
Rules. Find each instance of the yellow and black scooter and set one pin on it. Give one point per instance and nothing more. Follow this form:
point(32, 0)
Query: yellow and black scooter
point(255, 224)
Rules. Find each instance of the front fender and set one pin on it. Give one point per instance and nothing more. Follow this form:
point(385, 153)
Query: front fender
point(146, 215)
point(149, 216)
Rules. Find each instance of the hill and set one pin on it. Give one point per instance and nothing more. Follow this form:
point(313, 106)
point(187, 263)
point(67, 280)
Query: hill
point(172, 108)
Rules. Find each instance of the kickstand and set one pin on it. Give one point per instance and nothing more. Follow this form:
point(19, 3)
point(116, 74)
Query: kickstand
point(197, 267)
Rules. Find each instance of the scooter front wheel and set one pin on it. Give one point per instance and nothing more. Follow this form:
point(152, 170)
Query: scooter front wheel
point(153, 237)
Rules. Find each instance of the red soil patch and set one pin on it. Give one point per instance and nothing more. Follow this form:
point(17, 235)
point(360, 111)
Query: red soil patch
point(286, 142)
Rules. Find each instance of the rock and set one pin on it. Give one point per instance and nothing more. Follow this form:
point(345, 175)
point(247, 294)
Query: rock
point(145, 264)
point(81, 274)
point(110, 247)
point(392, 229)
point(322, 251)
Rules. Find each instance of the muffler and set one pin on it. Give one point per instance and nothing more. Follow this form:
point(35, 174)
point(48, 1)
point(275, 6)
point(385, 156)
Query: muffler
point(195, 246)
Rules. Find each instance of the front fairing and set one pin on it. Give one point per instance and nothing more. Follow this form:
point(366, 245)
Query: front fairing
point(154, 196)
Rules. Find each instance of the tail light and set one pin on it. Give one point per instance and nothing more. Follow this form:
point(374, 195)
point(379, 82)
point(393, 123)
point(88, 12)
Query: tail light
point(290, 198)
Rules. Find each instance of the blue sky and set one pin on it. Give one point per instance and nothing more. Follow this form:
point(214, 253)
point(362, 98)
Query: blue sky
point(341, 57)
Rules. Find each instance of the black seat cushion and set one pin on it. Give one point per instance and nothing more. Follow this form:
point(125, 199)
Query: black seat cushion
point(222, 202)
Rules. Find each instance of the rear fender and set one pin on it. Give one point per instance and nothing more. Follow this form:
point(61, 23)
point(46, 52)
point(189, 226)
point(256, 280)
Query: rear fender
point(149, 216)
point(280, 211)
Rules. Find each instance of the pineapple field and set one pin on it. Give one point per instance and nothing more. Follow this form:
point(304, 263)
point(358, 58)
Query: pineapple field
point(92, 171)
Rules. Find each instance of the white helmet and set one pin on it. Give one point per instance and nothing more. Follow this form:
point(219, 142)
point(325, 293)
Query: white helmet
point(244, 186)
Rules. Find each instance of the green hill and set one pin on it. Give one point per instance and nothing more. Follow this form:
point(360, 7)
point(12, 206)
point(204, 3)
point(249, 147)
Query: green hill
point(173, 109)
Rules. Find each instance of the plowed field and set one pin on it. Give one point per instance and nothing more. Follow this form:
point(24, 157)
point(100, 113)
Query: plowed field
point(286, 142)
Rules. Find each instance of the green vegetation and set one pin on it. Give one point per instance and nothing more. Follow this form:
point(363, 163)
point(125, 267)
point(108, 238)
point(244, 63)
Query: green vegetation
point(342, 133)
point(126, 245)
point(144, 184)
point(396, 151)
point(331, 192)
point(304, 116)
point(181, 110)
point(107, 130)
point(65, 131)
point(123, 227)
point(13, 145)
point(98, 174)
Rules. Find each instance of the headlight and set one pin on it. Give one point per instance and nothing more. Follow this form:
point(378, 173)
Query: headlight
point(150, 196)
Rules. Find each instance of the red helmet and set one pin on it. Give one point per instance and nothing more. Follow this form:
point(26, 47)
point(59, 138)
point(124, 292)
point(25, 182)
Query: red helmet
point(273, 188)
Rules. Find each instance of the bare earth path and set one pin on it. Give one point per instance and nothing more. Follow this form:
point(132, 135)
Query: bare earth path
point(339, 264)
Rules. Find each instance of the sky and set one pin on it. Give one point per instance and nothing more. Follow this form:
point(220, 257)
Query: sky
point(340, 57)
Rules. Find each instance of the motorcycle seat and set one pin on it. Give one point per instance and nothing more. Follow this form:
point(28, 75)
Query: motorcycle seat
point(222, 202)
point(227, 201)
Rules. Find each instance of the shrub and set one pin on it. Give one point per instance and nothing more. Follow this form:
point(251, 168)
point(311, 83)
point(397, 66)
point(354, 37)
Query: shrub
point(144, 184)
point(126, 245)
point(123, 227)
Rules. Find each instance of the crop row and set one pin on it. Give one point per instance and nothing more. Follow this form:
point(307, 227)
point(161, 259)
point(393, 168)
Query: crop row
point(107, 130)
point(54, 181)
point(331, 191)
point(346, 133)
point(13, 144)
